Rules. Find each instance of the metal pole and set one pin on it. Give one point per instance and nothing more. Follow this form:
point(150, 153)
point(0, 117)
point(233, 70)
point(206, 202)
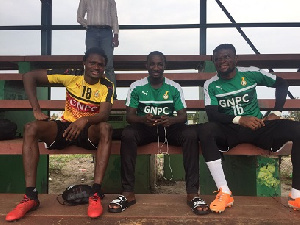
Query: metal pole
point(46, 22)
point(203, 28)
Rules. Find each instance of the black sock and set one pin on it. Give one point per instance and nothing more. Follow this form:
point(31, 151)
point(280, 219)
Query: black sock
point(96, 188)
point(31, 193)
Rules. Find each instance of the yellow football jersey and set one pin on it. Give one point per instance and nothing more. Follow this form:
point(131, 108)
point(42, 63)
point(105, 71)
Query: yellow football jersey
point(82, 99)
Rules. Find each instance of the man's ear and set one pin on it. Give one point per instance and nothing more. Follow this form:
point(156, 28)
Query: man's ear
point(236, 59)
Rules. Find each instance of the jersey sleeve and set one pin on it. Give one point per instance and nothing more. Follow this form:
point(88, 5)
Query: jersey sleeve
point(61, 76)
point(132, 97)
point(209, 96)
point(108, 91)
point(264, 78)
point(179, 101)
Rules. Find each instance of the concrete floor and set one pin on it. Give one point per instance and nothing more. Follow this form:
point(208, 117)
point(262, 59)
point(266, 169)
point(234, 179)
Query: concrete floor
point(155, 209)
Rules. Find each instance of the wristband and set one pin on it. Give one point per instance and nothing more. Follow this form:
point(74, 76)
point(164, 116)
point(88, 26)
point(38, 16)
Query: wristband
point(236, 119)
point(277, 113)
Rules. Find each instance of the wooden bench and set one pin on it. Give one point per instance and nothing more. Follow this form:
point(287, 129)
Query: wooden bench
point(14, 147)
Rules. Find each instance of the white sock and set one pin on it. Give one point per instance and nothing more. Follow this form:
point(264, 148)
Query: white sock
point(216, 170)
point(295, 193)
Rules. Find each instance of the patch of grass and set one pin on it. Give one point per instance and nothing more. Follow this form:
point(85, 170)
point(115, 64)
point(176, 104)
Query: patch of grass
point(57, 162)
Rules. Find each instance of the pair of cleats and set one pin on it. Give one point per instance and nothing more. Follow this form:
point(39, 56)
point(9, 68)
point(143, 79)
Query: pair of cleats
point(27, 205)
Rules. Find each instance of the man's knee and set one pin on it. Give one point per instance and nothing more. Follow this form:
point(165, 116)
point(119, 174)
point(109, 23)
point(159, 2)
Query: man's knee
point(128, 133)
point(31, 128)
point(105, 129)
point(207, 130)
point(190, 132)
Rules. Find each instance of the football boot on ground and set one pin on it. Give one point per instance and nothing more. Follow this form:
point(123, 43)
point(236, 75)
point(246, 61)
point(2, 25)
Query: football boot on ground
point(222, 201)
point(25, 206)
point(95, 207)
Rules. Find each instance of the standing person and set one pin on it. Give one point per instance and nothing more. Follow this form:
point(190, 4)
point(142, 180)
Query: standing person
point(150, 103)
point(102, 29)
point(88, 105)
point(232, 108)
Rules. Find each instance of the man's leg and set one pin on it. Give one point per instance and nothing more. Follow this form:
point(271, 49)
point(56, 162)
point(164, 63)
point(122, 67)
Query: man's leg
point(209, 134)
point(45, 131)
point(278, 132)
point(107, 45)
point(100, 134)
point(186, 136)
point(92, 38)
point(132, 136)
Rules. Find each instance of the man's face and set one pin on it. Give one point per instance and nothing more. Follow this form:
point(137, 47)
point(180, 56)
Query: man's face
point(225, 62)
point(94, 66)
point(156, 66)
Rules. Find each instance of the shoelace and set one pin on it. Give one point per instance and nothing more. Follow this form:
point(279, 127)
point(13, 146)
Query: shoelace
point(24, 200)
point(94, 198)
point(220, 195)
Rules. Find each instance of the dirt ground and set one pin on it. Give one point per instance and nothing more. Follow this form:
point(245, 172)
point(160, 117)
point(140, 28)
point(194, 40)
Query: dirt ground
point(66, 170)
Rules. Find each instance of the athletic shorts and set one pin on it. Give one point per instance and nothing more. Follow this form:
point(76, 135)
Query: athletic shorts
point(60, 142)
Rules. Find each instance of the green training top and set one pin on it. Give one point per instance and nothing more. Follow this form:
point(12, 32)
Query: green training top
point(162, 101)
point(238, 96)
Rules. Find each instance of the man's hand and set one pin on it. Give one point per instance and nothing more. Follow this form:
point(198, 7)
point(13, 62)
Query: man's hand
point(251, 122)
point(166, 121)
point(271, 116)
point(152, 120)
point(74, 129)
point(39, 115)
point(116, 40)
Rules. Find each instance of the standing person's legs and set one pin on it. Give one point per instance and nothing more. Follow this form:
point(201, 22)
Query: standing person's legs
point(45, 131)
point(106, 44)
point(92, 38)
point(132, 136)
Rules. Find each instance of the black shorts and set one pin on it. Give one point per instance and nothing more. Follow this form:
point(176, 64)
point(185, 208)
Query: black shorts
point(81, 141)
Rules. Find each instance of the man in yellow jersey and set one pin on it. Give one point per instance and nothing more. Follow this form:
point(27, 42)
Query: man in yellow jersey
point(89, 99)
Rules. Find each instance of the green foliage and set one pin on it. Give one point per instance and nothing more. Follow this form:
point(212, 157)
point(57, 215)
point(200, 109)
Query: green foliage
point(266, 176)
point(294, 115)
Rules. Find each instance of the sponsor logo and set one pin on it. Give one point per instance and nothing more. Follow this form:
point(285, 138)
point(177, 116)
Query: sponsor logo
point(233, 101)
point(82, 106)
point(156, 110)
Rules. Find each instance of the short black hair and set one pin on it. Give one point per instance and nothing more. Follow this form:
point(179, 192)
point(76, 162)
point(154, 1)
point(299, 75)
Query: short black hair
point(95, 50)
point(156, 53)
point(224, 46)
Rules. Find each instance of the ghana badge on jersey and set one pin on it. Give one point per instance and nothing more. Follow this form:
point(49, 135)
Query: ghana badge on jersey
point(243, 81)
point(166, 96)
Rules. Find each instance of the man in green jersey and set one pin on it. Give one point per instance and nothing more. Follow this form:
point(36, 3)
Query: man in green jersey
point(151, 103)
point(232, 108)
